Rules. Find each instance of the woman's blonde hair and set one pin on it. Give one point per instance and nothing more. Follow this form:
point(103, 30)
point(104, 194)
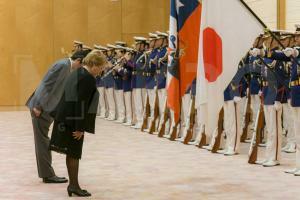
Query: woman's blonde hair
point(94, 59)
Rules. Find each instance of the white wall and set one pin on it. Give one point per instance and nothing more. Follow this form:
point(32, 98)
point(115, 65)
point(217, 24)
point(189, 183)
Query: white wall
point(266, 10)
point(292, 13)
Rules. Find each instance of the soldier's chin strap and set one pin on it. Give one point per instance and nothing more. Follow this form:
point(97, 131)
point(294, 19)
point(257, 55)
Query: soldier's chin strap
point(163, 43)
point(140, 47)
point(290, 40)
point(154, 45)
point(274, 48)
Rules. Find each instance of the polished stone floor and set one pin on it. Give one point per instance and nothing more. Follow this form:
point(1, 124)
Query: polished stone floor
point(120, 163)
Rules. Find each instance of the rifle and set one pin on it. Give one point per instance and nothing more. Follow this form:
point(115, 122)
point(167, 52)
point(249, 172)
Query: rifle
point(152, 128)
point(190, 130)
point(217, 143)
point(259, 124)
point(203, 139)
point(162, 129)
point(247, 119)
point(146, 114)
point(114, 67)
point(174, 132)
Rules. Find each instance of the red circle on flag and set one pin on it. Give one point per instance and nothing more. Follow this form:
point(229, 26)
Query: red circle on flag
point(212, 54)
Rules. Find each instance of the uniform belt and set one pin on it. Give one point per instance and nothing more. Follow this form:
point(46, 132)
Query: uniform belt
point(295, 83)
point(254, 76)
point(137, 73)
point(148, 74)
point(265, 83)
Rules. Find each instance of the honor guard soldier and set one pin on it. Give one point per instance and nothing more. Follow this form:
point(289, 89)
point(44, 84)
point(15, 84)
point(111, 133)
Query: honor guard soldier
point(147, 45)
point(273, 97)
point(287, 39)
point(109, 83)
point(161, 73)
point(149, 73)
point(233, 105)
point(254, 86)
point(138, 80)
point(292, 55)
point(102, 107)
point(126, 74)
point(120, 61)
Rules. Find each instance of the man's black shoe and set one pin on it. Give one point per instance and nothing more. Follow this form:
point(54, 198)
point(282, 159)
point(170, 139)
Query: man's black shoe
point(55, 179)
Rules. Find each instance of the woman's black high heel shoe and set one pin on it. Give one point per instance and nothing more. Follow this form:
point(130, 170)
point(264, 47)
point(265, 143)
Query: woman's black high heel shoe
point(78, 192)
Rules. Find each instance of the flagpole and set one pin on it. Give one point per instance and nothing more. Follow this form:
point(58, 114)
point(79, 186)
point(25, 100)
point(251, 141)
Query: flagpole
point(262, 23)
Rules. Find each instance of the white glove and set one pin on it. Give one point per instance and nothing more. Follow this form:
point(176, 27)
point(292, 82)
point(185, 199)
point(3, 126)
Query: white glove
point(277, 105)
point(296, 52)
point(259, 93)
point(237, 99)
point(288, 52)
point(255, 52)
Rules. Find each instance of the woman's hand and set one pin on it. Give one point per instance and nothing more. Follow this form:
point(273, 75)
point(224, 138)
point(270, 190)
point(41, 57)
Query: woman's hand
point(77, 135)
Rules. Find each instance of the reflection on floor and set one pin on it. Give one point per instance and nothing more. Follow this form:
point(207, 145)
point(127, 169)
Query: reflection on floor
point(13, 108)
point(120, 163)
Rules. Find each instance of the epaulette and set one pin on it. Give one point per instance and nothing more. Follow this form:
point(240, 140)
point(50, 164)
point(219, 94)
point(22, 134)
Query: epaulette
point(233, 87)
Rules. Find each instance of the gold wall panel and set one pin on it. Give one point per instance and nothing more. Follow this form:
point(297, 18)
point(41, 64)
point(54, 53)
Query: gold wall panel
point(104, 21)
point(143, 16)
point(27, 48)
point(35, 33)
point(8, 88)
point(70, 22)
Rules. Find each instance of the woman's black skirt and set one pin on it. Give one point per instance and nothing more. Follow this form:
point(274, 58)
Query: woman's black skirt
point(62, 141)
